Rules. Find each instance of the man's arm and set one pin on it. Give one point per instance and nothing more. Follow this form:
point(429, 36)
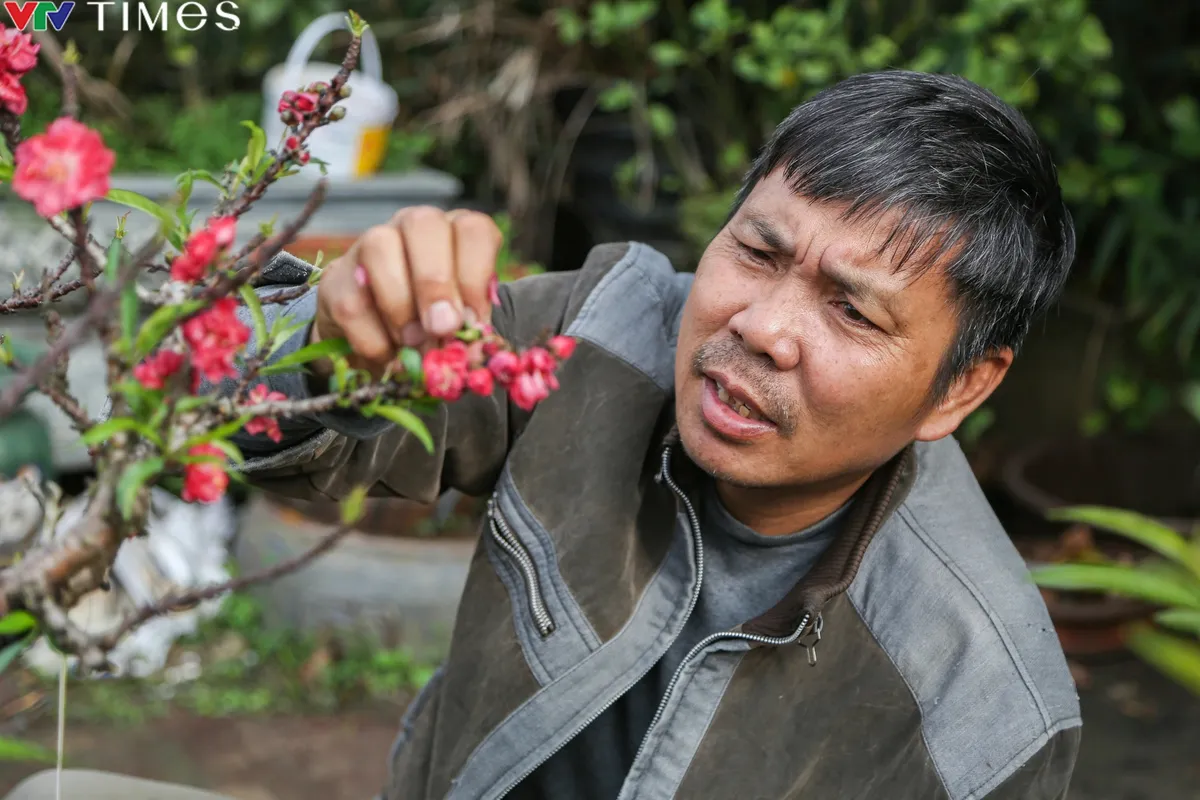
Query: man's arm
point(1045, 776)
point(323, 456)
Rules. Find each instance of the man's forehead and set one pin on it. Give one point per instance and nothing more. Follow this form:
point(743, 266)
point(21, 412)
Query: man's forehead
point(885, 241)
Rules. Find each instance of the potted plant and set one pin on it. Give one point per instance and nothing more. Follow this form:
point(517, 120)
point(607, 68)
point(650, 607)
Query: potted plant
point(1156, 475)
point(1167, 584)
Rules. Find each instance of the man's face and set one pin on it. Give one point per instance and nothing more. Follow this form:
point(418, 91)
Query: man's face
point(804, 357)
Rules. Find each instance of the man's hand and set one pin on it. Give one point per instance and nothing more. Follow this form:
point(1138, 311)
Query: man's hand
point(416, 278)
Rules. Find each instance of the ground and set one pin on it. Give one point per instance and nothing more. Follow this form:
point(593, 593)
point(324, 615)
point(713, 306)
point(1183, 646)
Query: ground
point(1139, 744)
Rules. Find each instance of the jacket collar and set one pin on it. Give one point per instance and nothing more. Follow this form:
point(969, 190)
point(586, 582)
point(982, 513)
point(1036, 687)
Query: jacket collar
point(837, 567)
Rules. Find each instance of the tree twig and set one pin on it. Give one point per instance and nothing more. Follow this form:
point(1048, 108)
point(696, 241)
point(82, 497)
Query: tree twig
point(48, 291)
point(312, 405)
point(99, 310)
point(188, 599)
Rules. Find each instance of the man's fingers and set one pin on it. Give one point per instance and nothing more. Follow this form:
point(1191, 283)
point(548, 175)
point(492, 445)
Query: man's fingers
point(477, 242)
point(381, 253)
point(429, 247)
point(353, 310)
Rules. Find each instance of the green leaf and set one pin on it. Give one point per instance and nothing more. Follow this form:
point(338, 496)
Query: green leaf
point(571, 26)
point(16, 750)
point(220, 432)
point(250, 297)
point(113, 264)
point(281, 331)
point(9, 654)
point(1136, 527)
point(1176, 657)
point(134, 200)
point(160, 323)
point(17, 622)
point(254, 149)
point(198, 174)
point(326, 348)
point(358, 26)
point(132, 480)
point(109, 428)
point(618, 97)
point(410, 358)
point(352, 505)
point(1181, 619)
point(662, 121)
point(407, 419)
point(230, 449)
point(1132, 582)
point(191, 403)
point(1191, 399)
point(129, 311)
point(668, 54)
point(6, 172)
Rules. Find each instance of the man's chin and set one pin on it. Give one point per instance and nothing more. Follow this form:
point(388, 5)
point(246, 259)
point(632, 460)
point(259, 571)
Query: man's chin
point(726, 461)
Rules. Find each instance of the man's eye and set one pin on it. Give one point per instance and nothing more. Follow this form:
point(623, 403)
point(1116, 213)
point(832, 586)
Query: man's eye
point(760, 256)
point(853, 314)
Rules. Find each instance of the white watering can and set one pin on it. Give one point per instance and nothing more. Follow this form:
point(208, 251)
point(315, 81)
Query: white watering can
point(355, 146)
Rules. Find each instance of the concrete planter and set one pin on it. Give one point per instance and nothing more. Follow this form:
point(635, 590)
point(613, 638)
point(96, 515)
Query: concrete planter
point(402, 589)
point(30, 245)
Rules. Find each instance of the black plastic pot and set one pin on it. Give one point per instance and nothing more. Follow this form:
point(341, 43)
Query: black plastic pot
point(608, 141)
point(1156, 474)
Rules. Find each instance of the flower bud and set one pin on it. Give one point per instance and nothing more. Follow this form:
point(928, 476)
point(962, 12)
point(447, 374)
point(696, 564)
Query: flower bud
point(561, 346)
point(344, 92)
point(337, 113)
point(289, 117)
point(291, 143)
point(306, 103)
point(303, 157)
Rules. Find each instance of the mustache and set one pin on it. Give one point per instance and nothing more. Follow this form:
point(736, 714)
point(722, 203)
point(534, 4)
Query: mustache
point(763, 381)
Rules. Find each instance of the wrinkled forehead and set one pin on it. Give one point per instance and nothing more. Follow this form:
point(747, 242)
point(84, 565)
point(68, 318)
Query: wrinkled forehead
point(899, 240)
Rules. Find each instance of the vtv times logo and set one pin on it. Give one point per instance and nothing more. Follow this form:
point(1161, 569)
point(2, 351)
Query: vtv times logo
point(191, 16)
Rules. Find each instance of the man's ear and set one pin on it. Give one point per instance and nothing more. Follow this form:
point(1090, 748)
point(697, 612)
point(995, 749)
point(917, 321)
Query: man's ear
point(968, 392)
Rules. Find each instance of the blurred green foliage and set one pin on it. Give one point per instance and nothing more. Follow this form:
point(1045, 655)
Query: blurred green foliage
point(1111, 85)
point(708, 80)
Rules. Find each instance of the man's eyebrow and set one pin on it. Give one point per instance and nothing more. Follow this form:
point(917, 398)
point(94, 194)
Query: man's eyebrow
point(770, 235)
point(855, 284)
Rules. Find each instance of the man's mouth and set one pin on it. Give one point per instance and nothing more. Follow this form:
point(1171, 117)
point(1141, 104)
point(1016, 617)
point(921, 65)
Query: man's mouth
point(744, 409)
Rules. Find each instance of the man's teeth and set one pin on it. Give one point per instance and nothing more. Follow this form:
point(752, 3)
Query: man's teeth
point(736, 405)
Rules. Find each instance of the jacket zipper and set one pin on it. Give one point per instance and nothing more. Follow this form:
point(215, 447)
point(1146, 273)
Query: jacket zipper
point(753, 637)
point(664, 476)
point(705, 642)
point(508, 541)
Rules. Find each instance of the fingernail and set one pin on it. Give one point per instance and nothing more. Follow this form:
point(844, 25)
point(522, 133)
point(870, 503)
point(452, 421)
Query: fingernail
point(360, 276)
point(441, 319)
point(470, 317)
point(412, 334)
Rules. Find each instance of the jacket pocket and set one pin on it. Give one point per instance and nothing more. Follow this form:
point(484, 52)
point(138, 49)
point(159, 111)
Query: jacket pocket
point(519, 557)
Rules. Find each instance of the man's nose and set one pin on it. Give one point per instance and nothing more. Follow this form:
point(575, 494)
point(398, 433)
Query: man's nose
point(769, 326)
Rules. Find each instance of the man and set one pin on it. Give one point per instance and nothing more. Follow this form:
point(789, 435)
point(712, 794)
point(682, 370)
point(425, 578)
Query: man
point(738, 554)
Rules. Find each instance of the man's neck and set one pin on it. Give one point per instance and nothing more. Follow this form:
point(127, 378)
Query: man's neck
point(778, 511)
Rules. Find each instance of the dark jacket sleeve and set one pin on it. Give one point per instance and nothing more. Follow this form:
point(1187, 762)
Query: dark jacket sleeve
point(1045, 776)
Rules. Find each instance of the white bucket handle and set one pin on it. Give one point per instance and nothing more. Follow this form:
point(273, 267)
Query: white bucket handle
point(321, 27)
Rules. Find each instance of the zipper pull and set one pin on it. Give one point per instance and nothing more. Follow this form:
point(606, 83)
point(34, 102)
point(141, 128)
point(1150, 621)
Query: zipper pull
point(811, 646)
